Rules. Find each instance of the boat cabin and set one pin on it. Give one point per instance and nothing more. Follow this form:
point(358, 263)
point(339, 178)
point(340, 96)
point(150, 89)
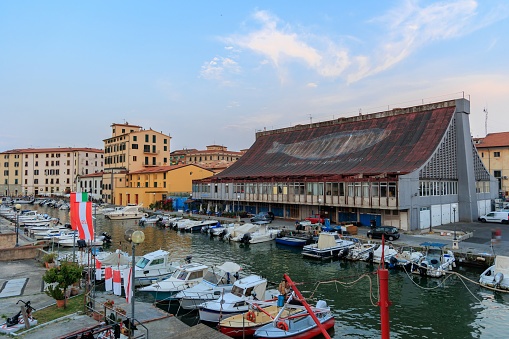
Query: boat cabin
point(250, 286)
point(190, 272)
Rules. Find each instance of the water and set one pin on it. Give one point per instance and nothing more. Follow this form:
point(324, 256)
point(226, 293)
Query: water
point(421, 308)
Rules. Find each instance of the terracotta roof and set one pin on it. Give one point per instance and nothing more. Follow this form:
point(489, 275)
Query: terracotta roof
point(98, 174)
point(160, 169)
point(125, 125)
point(49, 150)
point(386, 143)
point(494, 140)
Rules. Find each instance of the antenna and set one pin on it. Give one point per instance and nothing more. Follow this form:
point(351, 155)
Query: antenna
point(485, 121)
point(310, 119)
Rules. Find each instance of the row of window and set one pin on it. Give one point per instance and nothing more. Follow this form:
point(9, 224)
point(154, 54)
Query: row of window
point(482, 187)
point(86, 183)
point(36, 181)
point(53, 155)
point(437, 188)
point(52, 163)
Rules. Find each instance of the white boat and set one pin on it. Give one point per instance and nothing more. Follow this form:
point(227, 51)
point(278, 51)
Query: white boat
point(388, 253)
point(217, 280)
point(128, 212)
point(70, 241)
point(252, 287)
point(407, 257)
point(23, 201)
point(198, 225)
point(437, 260)
point(262, 235)
point(361, 251)
point(329, 245)
point(239, 230)
point(186, 276)
point(497, 275)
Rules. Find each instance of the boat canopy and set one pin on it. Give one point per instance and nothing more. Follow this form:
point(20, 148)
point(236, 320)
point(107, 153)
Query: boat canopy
point(230, 267)
point(115, 259)
point(502, 265)
point(326, 240)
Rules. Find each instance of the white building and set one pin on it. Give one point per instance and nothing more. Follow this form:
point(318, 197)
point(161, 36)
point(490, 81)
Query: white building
point(91, 183)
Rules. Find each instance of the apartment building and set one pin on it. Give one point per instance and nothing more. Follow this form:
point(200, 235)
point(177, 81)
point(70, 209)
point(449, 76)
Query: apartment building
point(131, 148)
point(494, 152)
point(91, 183)
point(216, 157)
point(47, 171)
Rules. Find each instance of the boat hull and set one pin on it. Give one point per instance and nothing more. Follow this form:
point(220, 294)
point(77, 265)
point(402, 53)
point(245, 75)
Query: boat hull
point(291, 242)
point(309, 333)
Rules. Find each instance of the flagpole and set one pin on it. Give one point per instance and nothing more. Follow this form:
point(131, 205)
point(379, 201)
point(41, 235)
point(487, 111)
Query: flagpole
point(93, 226)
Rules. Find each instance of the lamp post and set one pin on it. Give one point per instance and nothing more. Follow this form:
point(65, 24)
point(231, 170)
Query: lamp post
point(238, 205)
point(18, 208)
point(454, 216)
point(135, 238)
point(319, 202)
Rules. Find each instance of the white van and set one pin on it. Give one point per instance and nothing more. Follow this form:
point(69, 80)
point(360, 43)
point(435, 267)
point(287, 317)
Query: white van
point(502, 217)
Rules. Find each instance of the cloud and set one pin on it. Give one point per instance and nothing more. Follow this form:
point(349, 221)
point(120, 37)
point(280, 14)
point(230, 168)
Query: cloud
point(217, 67)
point(312, 85)
point(251, 122)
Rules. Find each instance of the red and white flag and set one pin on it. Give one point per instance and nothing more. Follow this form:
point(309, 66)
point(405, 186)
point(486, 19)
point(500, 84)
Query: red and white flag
point(81, 215)
point(98, 271)
point(128, 284)
point(117, 283)
point(108, 278)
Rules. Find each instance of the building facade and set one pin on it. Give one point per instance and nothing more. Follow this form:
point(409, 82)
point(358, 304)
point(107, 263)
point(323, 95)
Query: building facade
point(131, 148)
point(216, 157)
point(412, 167)
point(92, 184)
point(494, 152)
point(149, 185)
point(47, 171)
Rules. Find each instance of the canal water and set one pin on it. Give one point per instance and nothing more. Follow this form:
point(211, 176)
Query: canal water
point(422, 307)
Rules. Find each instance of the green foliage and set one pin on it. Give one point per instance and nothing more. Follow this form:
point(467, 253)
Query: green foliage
point(49, 258)
point(66, 274)
point(166, 205)
point(55, 292)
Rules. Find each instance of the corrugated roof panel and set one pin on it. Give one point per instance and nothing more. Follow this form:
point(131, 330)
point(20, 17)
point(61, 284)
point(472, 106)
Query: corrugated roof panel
point(381, 145)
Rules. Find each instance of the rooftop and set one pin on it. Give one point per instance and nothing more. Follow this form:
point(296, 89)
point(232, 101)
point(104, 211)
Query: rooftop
point(494, 140)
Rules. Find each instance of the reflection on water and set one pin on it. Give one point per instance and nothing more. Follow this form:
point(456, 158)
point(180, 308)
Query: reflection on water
point(421, 309)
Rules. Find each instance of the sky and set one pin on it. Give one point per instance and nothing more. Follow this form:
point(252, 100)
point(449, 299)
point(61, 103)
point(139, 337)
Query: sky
point(215, 72)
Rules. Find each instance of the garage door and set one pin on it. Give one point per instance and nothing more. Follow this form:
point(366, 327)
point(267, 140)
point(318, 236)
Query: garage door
point(424, 218)
point(436, 215)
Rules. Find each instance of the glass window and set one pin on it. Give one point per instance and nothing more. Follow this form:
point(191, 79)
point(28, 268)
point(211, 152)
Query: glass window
point(335, 189)
point(358, 192)
point(341, 189)
point(383, 189)
point(365, 189)
point(351, 187)
point(392, 189)
point(375, 189)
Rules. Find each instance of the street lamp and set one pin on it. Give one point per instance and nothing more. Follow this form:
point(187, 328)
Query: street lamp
point(136, 238)
point(454, 216)
point(238, 205)
point(18, 208)
point(319, 201)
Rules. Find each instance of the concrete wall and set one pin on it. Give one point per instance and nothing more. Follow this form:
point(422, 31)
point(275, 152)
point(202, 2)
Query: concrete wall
point(23, 252)
point(7, 240)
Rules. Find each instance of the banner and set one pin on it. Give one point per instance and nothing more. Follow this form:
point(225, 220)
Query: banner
point(98, 271)
point(76, 197)
point(128, 284)
point(117, 283)
point(108, 279)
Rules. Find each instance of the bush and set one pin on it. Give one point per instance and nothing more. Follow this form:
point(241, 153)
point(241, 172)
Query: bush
point(166, 205)
point(67, 274)
point(49, 258)
point(55, 292)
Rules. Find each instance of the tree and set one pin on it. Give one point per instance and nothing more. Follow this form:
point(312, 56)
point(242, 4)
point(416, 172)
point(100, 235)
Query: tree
point(65, 275)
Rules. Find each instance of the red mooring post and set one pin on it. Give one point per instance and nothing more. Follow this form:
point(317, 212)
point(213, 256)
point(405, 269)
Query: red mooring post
point(311, 313)
point(384, 303)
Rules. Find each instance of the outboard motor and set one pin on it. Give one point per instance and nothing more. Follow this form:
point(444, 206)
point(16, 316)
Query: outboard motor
point(81, 243)
point(344, 253)
point(393, 262)
point(370, 257)
point(498, 278)
point(423, 269)
point(222, 234)
point(245, 238)
point(188, 259)
point(107, 238)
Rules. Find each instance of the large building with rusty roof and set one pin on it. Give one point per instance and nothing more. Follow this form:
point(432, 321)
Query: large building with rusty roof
point(47, 171)
point(494, 152)
point(412, 168)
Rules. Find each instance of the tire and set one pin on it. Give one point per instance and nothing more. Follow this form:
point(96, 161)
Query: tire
point(483, 220)
point(391, 238)
point(370, 236)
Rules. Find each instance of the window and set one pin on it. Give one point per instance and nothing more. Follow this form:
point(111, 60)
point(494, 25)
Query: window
point(16, 172)
point(146, 137)
point(154, 139)
point(26, 172)
point(36, 181)
point(375, 189)
point(16, 164)
point(135, 138)
point(123, 130)
point(36, 172)
point(165, 160)
point(37, 163)
point(26, 164)
point(153, 148)
point(165, 148)
point(6, 173)
point(496, 154)
point(165, 141)
point(6, 164)
point(134, 146)
point(146, 148)
point(134, 158)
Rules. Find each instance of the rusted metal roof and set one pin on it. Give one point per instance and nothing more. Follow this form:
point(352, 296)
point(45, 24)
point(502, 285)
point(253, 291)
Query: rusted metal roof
point(391, 144)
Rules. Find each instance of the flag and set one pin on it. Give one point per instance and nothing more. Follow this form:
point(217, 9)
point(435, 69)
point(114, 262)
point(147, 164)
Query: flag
point(97, 270)
point(108, 278)
point(81, 215)
point(117, 283)
point(128, 284)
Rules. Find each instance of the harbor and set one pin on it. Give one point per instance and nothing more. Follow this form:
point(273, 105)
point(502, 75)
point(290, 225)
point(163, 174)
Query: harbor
point(352, 302)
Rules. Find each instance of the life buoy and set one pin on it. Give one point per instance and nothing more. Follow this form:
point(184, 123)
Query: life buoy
point(251, 316)
point(282, 326)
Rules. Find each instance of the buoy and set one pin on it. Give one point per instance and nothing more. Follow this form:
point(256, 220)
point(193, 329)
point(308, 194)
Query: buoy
point(251, 316)
point(282, 326)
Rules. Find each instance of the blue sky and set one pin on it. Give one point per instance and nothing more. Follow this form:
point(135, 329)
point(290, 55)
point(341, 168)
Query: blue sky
point(215, 72)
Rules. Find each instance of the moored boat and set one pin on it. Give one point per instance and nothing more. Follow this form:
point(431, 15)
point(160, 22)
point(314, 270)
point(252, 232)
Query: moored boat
point(329, 245)
point(497, 275)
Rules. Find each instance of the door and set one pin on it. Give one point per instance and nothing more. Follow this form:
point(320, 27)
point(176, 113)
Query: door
point(424, 218)
point(436, 215)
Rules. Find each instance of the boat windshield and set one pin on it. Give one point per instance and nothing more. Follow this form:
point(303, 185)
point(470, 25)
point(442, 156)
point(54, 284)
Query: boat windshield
point(142, 263)
point(238, 291)
point(211, 278)
point(180, 275)
point(434, 252)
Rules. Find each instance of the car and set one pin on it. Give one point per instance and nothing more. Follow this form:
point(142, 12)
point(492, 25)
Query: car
point(502, 217)
point(390, 232)
point(315, 219)
point(263, 216)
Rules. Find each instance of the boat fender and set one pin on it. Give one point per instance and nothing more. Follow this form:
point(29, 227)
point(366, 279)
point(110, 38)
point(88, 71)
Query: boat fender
point(282, 326)
point(251, 316)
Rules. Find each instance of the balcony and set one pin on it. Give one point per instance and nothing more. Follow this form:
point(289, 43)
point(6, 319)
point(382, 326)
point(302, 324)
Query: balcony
point(152, 164)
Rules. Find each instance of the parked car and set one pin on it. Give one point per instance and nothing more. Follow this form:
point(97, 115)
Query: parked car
point(390, 232)
point(263, 216)
point(315, 218)
point(502, 217)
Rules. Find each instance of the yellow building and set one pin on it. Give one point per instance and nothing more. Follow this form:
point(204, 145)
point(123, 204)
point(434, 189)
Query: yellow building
point(494, 152)
point(159, 183)
point(131, 148)
point(215, 157)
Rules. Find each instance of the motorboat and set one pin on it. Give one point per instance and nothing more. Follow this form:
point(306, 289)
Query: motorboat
point(253, 287)
point(185, 276)
point(388, 253)
point(329, 245)
point(497, 275)
point(72, 241)
point(292, 241)
point(128, 212)
point(217, 280)
point(239, 230)
point(361, 251)
point(437, 260)
point(300, 325)
point(153, 267)
point(262, 235)
point(23, 201)
point(407, 257)
point(151, 220)
point(198, 225)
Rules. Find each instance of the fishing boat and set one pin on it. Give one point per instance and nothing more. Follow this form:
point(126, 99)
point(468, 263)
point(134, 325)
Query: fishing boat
point(437, 260)
point(388, 253)
point(252, 287)
point(497, 275)
point(329, 245)
point(292, 241)
point(407, 257)
point(197, 226)
point(217, 280)
point(128, 212)
point(361, 251)
point(185, 276)
point(262, 235)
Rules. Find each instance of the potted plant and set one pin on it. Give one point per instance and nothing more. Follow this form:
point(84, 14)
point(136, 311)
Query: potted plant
point(109, 303)
point(56, 293)
point(49, 259)
point(66, 274)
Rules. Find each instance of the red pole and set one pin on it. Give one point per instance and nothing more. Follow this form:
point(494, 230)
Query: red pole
point(311, 313)
point(383, 276)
